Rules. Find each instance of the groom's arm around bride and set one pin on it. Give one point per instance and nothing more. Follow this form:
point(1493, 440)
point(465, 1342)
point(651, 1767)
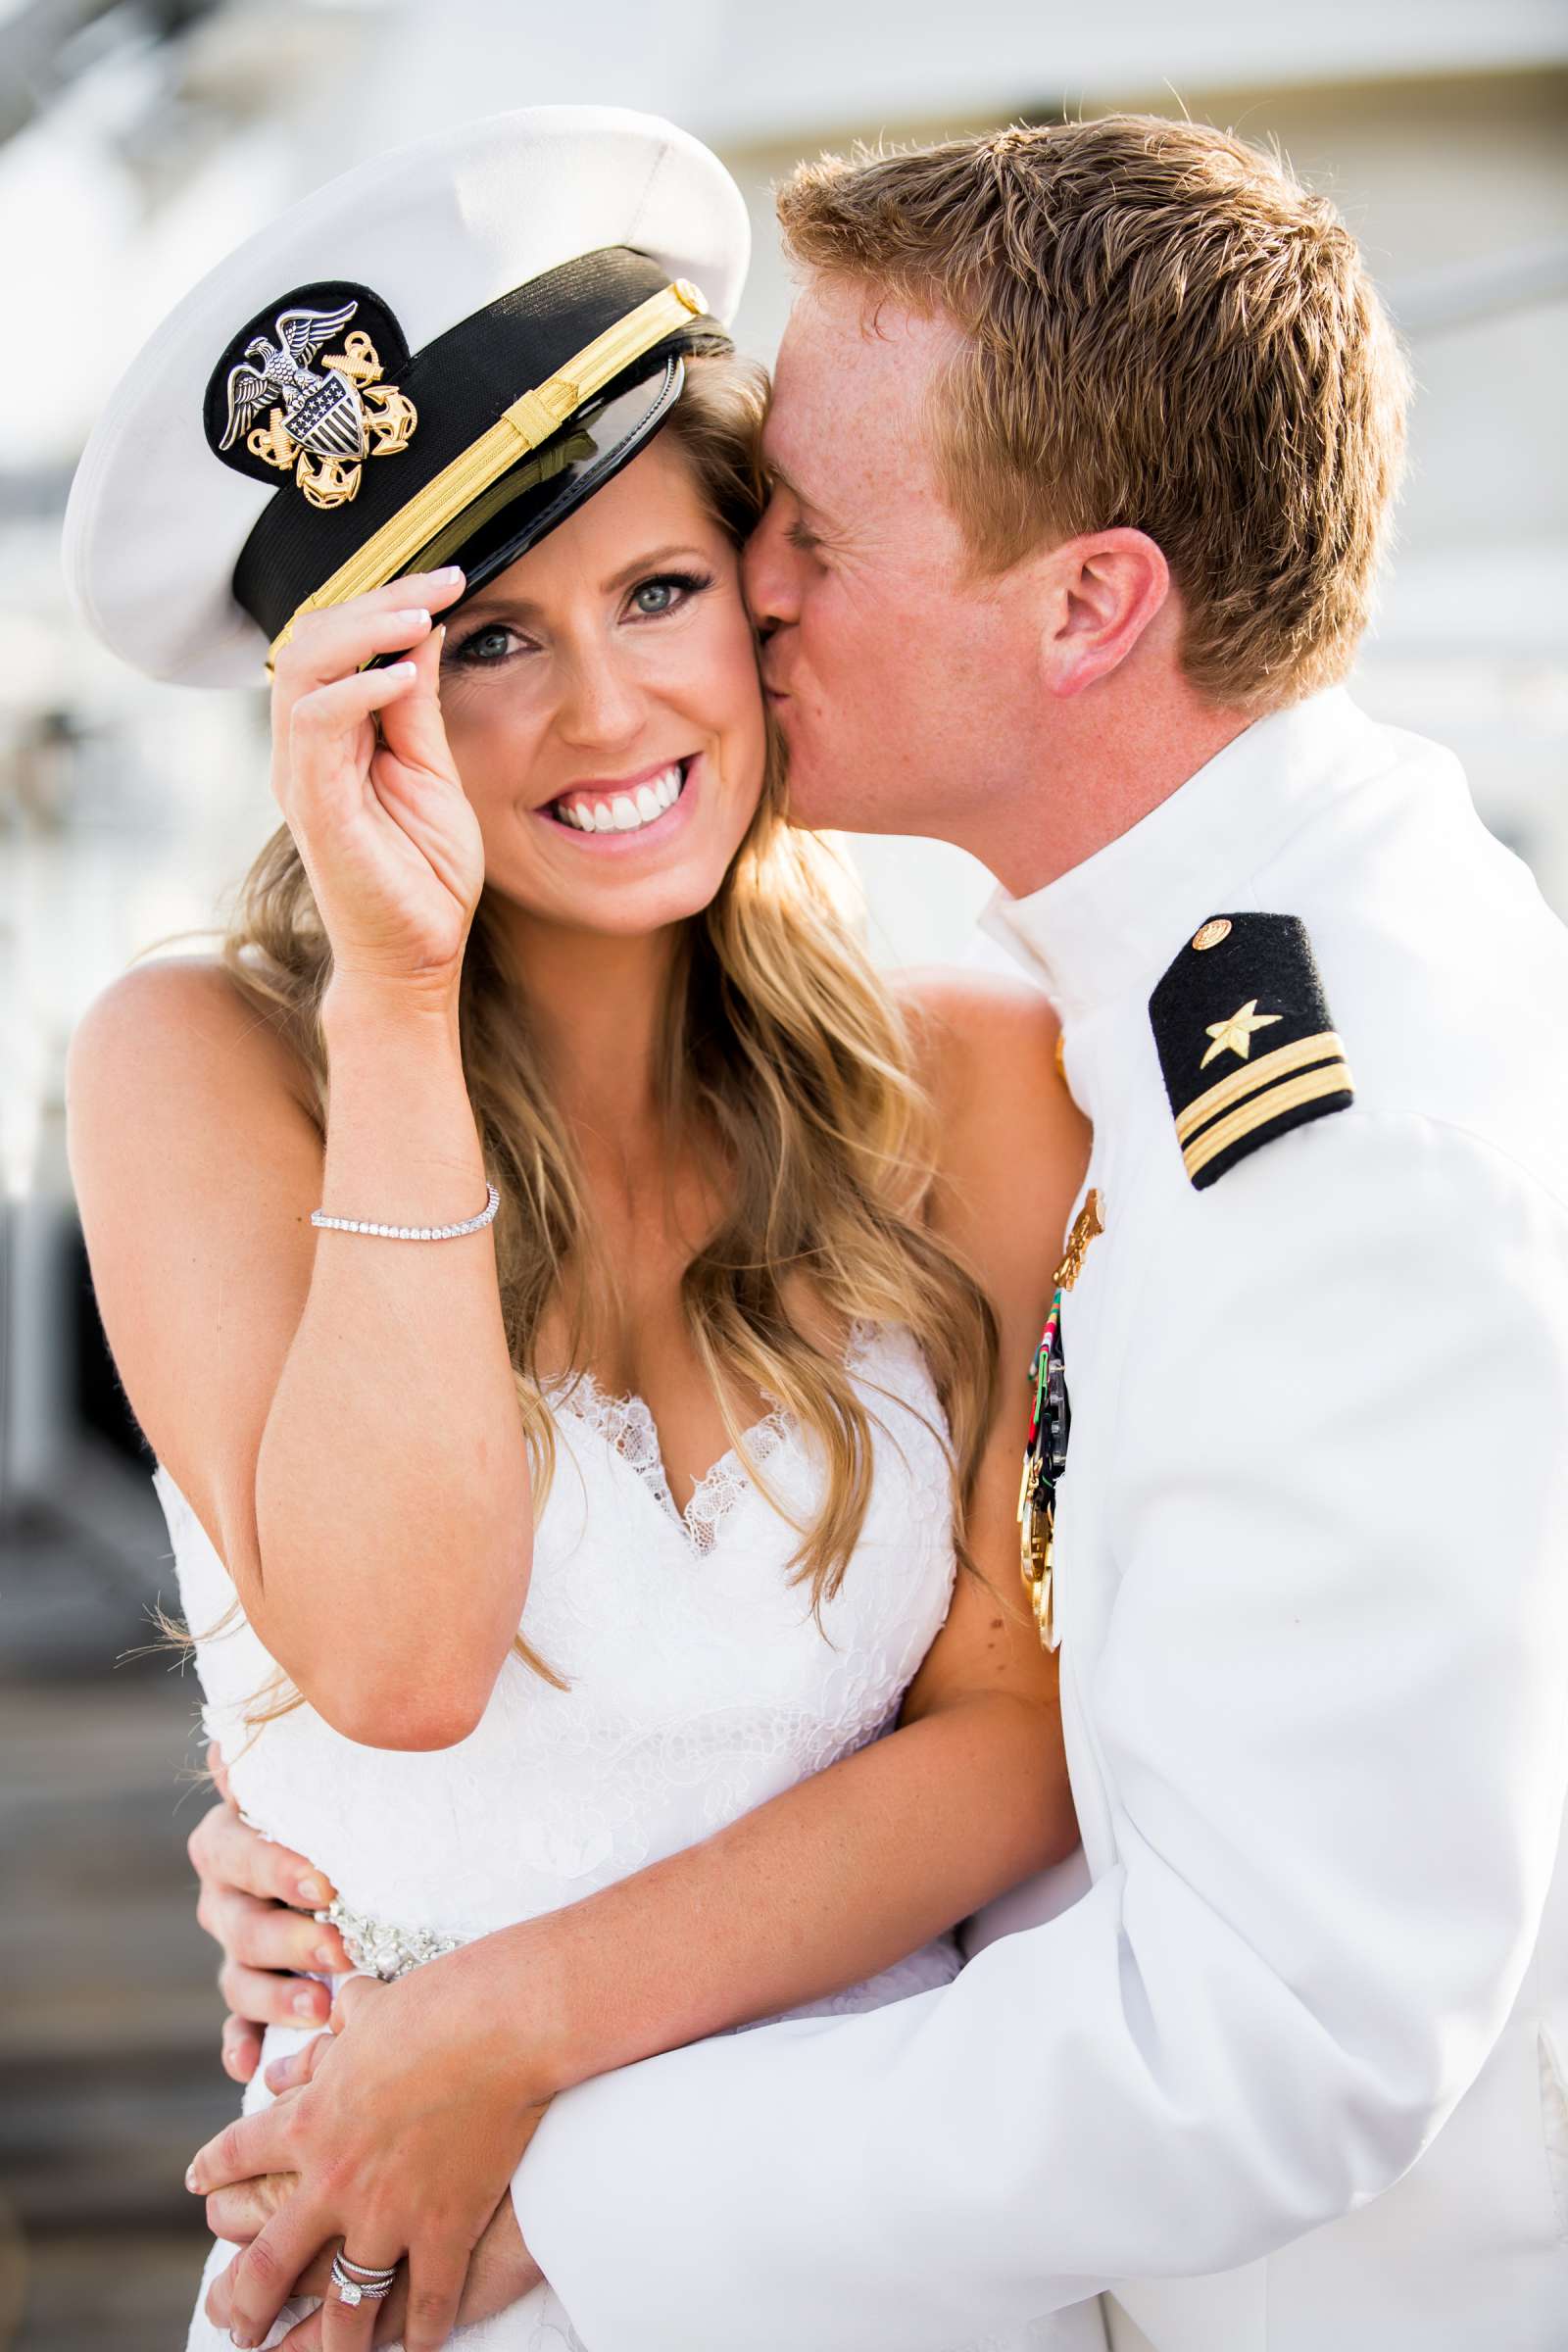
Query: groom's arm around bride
point(1312, 1526)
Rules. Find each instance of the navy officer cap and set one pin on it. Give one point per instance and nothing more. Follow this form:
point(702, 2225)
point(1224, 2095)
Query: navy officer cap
point(435, 358)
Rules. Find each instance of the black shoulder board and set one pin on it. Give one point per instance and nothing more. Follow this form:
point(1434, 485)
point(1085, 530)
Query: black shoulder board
point(1246, 1043)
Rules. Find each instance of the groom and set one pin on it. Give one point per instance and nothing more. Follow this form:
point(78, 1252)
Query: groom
point(1084, 441)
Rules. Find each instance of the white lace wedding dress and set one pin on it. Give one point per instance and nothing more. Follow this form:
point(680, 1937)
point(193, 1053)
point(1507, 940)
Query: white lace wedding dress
point(698, 1687)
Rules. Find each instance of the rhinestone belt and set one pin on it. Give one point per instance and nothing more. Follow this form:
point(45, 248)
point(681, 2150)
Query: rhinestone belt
point(381, 1947)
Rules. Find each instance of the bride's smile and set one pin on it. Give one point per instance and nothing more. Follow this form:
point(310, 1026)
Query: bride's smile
point(604, 690)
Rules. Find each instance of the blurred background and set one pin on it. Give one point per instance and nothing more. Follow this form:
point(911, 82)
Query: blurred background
point(139, 140)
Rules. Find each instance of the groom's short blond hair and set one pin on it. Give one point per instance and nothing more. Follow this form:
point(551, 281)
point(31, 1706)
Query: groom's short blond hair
point(1162, 328)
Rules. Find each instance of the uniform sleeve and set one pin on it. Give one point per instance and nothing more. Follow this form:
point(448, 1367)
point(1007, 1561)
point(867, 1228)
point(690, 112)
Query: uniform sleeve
point(1330, 1707)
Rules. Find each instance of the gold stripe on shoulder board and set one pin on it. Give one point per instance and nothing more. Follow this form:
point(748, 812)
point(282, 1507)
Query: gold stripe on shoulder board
point(1253, 1075)
point(1289, 1095)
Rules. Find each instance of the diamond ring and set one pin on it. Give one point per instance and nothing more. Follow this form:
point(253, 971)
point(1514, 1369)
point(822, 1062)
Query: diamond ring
point(357, 2282)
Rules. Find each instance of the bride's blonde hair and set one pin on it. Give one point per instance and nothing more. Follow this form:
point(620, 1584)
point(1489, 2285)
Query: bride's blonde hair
point(779, 1040)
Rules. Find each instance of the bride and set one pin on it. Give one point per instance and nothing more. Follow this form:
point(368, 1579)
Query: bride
point(565, 1289)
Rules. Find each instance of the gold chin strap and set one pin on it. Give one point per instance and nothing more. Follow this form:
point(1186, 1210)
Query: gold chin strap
point(528, 421)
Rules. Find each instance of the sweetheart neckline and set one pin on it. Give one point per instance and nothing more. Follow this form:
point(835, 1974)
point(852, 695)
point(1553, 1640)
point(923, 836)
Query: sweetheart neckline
point(613, 1416)
point(725, 1480)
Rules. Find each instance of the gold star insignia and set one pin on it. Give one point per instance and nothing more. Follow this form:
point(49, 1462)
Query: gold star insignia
point(1235, 1036)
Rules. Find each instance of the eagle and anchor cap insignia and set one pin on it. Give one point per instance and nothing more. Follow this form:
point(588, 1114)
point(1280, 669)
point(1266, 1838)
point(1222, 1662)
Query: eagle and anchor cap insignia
point(321, 422)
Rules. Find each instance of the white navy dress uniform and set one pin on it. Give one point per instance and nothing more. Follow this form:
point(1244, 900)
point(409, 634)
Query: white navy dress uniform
point(1292, 2074)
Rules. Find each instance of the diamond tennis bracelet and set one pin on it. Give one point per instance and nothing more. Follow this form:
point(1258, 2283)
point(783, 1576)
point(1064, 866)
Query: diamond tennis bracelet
point(413, 1233)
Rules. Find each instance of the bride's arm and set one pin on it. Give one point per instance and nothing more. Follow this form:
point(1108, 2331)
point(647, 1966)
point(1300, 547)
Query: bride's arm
point(338, 1410)
point(821, 1887)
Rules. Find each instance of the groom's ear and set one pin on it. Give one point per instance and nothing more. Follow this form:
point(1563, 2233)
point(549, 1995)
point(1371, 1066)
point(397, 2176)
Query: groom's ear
point(1101, 593)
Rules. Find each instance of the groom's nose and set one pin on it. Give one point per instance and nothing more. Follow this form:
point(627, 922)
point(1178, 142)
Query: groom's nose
point(769, 572)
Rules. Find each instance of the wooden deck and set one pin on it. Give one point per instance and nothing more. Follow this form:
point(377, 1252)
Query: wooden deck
point(109, 2070)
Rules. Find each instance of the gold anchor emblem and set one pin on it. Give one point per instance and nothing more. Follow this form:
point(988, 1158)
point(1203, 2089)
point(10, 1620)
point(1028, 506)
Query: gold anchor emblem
point(390, 418)
point(330, 481)
point(272, 442)
point(356, 360)
point(324, 434)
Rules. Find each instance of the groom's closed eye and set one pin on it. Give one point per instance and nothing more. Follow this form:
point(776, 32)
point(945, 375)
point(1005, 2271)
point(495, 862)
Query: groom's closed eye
point(799, 530)
point(782, 486)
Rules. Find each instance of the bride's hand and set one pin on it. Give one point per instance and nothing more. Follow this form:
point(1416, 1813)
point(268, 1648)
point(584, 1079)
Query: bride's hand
point(501, 2272)
point(364, 777)
point(404, 2141)
point(256, 1900)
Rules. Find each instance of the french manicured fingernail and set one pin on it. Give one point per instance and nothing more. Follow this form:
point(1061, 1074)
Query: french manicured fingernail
point(305, 2004)
point(416, 617)
point(326, 1958)
point(191, 2182)
point(400, 669)
point(449, 571)
point(312, 1890)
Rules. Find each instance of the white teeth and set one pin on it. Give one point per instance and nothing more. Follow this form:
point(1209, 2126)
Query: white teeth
point(627, 811)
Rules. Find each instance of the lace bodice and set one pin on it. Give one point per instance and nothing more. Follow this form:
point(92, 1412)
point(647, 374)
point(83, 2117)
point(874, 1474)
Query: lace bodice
point(627, 1426)
point(699, 1685)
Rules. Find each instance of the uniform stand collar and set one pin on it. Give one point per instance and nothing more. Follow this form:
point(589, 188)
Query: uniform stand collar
point(1113, 923)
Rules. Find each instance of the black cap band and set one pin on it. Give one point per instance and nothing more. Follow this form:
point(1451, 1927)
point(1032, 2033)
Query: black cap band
point(459, 385)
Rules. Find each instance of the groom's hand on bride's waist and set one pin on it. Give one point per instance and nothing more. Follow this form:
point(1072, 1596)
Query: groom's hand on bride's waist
point(256, 1902)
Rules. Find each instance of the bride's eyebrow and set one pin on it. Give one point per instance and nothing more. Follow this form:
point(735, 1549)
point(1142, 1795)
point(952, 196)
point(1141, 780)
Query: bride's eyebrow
point(640, 565)
point(501, 607)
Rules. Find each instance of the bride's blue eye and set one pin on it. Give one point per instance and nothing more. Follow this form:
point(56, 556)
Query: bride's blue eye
point(667, 592)
point(489, 644)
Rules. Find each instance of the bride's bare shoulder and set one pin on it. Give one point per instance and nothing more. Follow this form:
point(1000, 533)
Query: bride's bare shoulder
point(177, 1020)
point(979, 1036)
point(1012, 1141)
point(195, 1166)
point(973, 1006)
